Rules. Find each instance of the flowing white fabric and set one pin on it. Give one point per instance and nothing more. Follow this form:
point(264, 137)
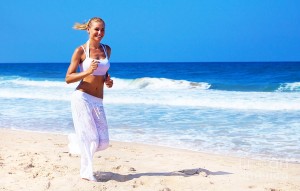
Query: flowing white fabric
point(91, 130)
point(73, 144)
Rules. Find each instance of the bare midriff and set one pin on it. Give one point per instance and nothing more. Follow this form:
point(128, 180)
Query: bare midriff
point(92, 85)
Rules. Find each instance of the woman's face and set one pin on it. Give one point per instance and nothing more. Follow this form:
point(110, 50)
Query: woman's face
point(96, 30)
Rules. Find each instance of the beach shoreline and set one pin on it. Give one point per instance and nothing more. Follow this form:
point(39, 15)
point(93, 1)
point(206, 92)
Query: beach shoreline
point(252, 156)
point(41, 161)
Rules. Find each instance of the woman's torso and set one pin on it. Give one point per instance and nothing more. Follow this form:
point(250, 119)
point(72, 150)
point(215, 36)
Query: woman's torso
point(93, 84)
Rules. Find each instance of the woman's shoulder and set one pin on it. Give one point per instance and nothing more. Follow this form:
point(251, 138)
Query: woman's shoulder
point(106, 46)
point(108, 49)
point(80, 49)
point(79, 53)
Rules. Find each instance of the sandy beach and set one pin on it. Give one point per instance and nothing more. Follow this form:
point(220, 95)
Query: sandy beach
point(41, 161)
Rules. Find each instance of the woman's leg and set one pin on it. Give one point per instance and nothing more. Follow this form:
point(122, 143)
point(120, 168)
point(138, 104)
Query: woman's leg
point(86, 131)
point(102, 129)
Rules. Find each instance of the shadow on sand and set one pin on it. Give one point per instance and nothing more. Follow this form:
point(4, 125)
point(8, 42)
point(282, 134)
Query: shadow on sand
point(107, 176)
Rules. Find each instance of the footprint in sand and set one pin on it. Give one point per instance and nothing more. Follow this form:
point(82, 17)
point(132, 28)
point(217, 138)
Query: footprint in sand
point(34, 175)
point(136, 184)
point(124, 168)
point(112, 159)
point(29, 166)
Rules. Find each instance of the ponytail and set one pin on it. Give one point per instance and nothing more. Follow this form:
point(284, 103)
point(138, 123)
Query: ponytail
point(85, 26)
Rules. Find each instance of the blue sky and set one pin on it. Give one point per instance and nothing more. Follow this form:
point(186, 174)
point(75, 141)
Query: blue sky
point(154, 30)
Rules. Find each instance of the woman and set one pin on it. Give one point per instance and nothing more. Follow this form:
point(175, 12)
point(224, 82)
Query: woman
point(89, 119)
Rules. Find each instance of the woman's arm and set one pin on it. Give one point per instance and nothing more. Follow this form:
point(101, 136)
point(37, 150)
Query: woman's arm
point(108, 82)
point(108, 50)
point(72, 75)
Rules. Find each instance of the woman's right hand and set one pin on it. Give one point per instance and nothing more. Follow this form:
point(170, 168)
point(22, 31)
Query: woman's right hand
point(93, 67)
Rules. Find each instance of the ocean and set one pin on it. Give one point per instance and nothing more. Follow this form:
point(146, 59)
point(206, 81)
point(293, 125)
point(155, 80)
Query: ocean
point(241, 109)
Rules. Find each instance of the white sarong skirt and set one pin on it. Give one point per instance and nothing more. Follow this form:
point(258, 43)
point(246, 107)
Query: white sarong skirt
point(91, 129)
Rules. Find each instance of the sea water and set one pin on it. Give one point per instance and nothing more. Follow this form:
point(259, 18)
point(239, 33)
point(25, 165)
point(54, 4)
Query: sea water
point(242, 109)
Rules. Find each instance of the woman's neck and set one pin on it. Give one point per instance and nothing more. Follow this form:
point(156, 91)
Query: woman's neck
point(94, 44)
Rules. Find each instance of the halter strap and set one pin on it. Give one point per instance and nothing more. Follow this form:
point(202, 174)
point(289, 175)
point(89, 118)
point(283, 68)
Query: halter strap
point(104, 49)
point(87, 51)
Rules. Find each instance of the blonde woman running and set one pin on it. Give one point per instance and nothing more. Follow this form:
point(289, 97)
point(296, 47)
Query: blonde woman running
point(89, 119)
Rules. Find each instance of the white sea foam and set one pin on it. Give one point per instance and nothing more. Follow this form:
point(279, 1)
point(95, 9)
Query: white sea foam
point(139, 83)
point(24, 82)
point(159, 83)
point(158, 91)
point(45, 83)
point(212, 99)
point(34, 89)
point(289, 87)
point(166, 112)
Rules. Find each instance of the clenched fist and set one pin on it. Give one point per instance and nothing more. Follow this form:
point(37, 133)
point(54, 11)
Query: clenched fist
point(109, 82)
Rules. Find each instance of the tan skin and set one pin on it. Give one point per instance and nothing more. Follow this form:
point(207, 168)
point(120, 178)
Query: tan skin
point(90, 84)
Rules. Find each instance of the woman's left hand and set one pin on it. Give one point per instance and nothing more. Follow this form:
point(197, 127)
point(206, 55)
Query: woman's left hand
point(109, 82)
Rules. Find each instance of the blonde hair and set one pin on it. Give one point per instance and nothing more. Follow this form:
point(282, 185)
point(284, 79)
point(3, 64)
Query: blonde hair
point(85, 26)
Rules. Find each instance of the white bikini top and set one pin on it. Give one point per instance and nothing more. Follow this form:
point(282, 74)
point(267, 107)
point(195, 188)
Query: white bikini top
point(103, 64)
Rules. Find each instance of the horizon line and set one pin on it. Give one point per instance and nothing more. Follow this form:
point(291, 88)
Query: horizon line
point(158, 62)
